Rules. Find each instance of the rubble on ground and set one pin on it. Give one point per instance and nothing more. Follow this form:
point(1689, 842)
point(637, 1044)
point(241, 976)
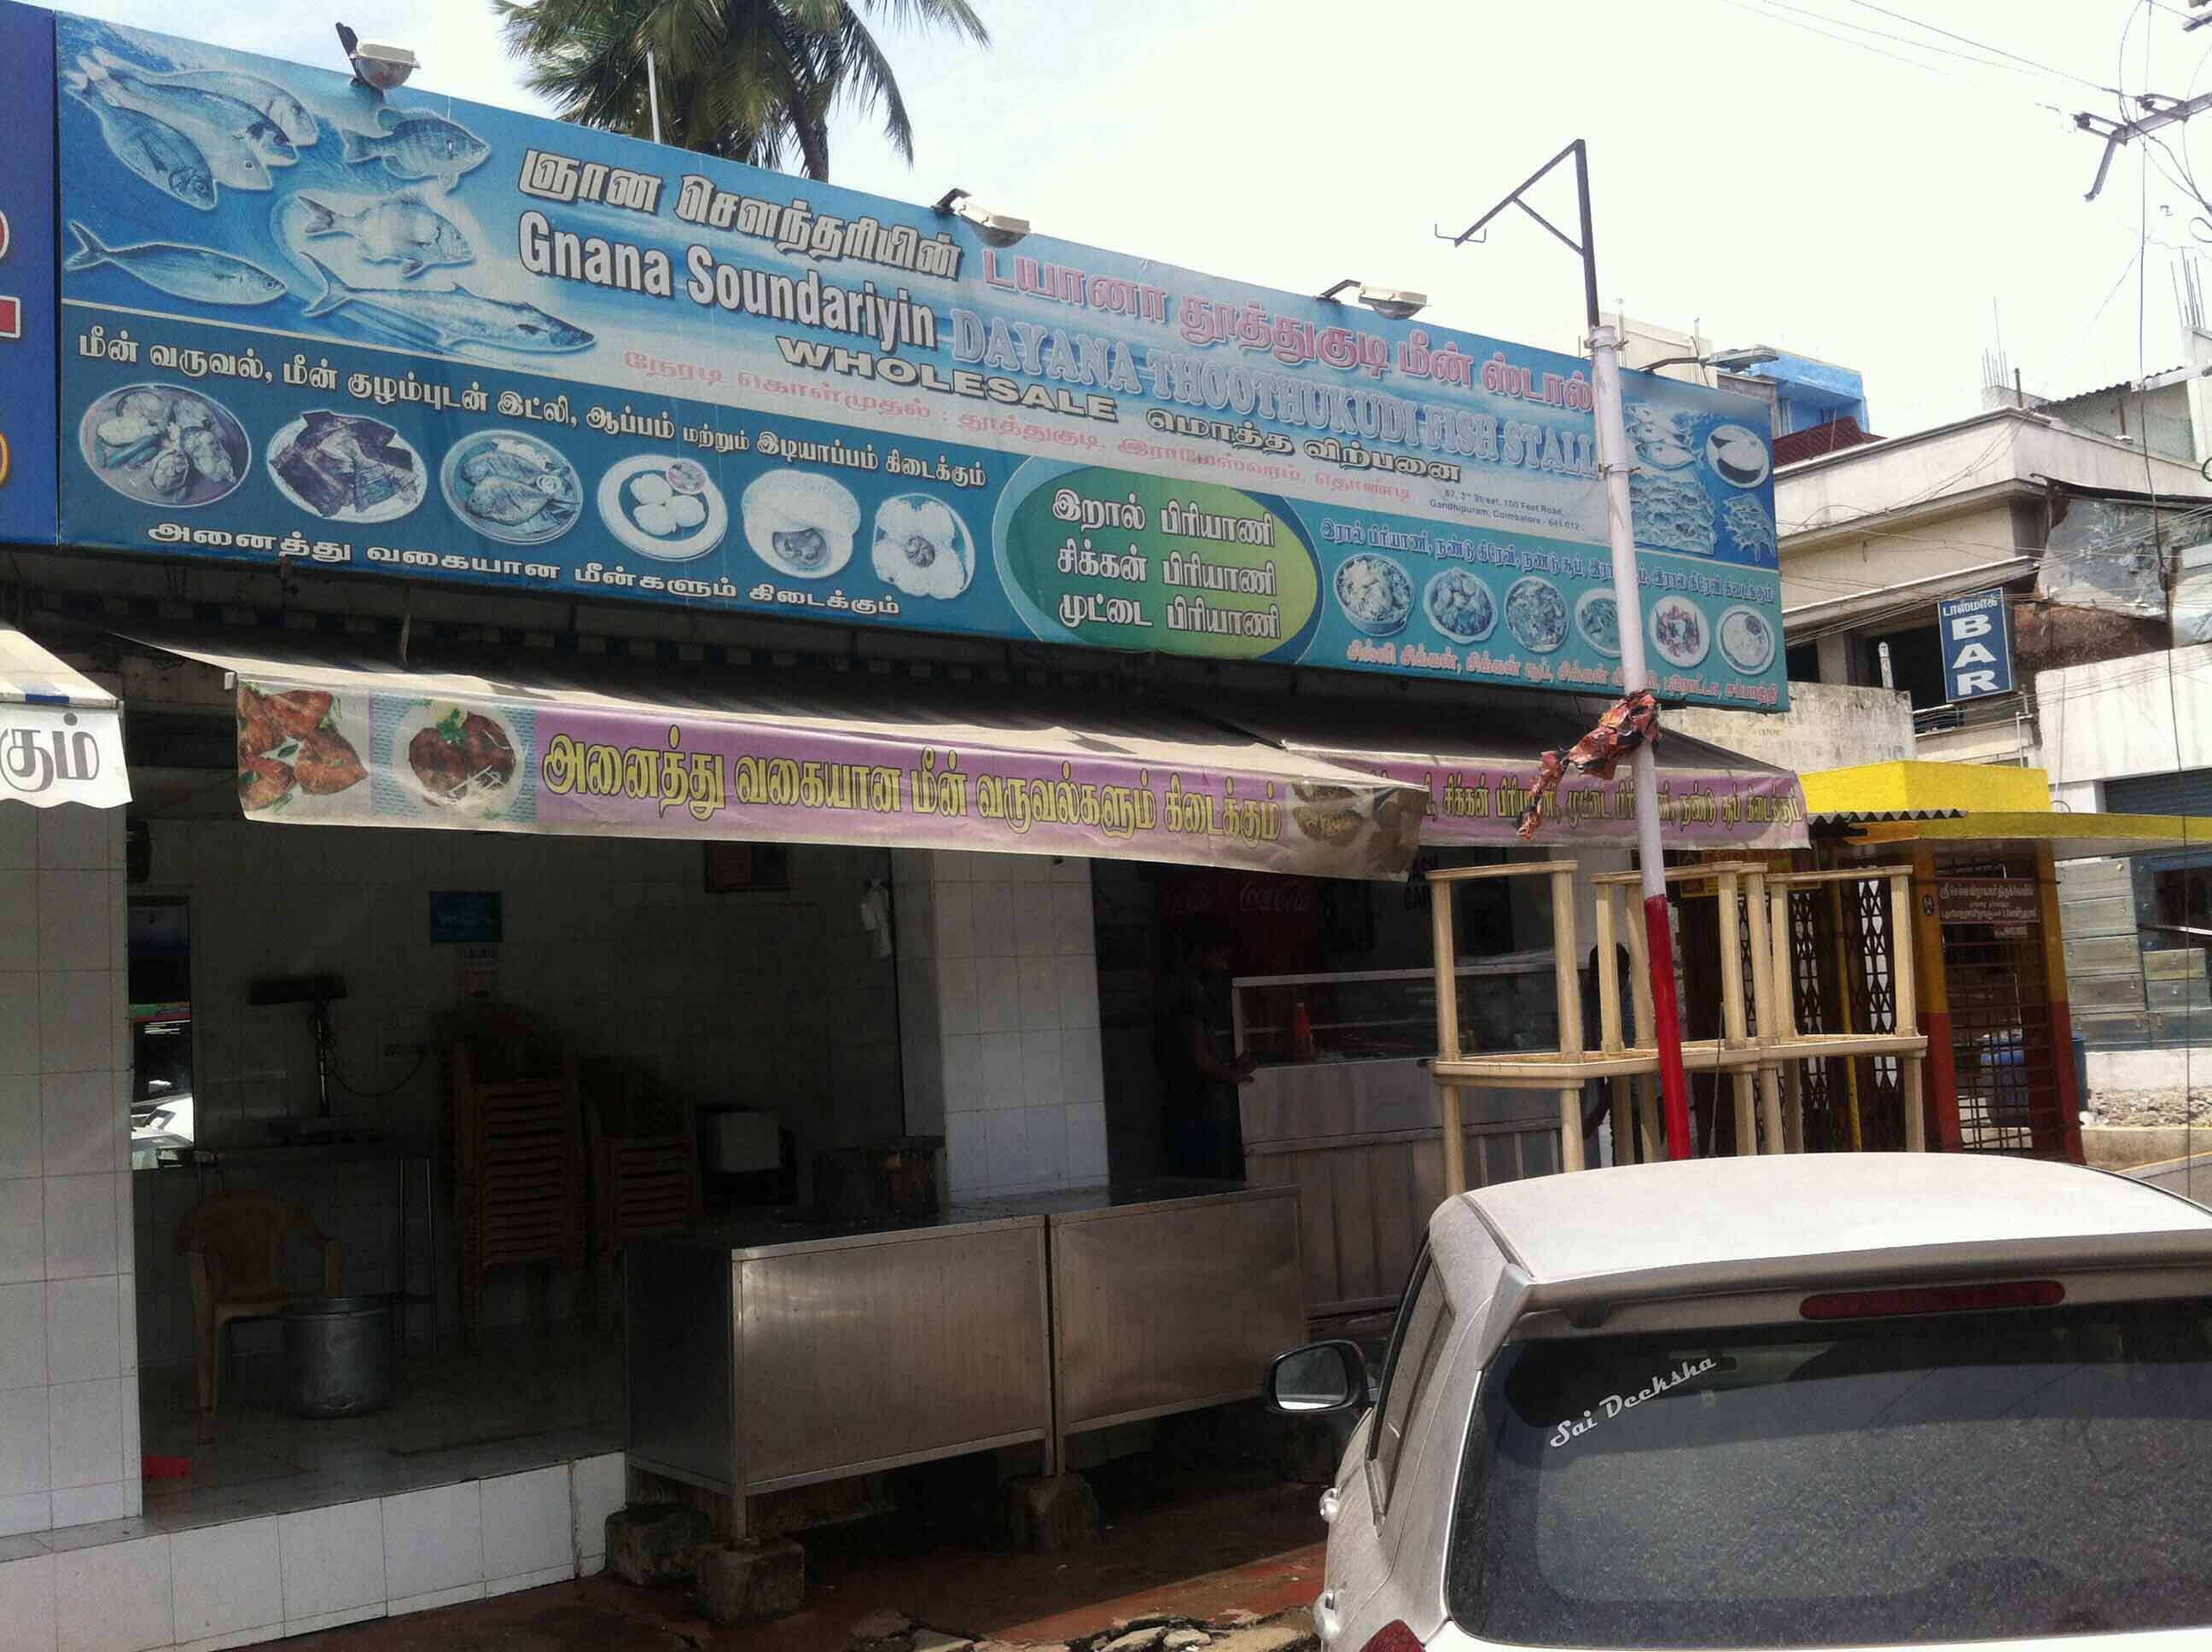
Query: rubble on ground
point(1230, 1631)
point(2148, 1107)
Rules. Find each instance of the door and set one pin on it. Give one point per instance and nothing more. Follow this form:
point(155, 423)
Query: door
point(1367, 1523)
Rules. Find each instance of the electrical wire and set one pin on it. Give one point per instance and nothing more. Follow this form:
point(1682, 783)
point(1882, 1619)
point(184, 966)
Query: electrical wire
point(1844, 39)
point(2037, 70)
point(421, 1053)
point(1983, 45)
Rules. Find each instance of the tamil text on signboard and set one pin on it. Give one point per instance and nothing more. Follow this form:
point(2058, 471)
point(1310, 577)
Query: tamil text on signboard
point(2010, 906)
point(446, 342)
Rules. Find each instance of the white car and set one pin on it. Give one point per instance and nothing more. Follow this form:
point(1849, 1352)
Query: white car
point(1813, 1400)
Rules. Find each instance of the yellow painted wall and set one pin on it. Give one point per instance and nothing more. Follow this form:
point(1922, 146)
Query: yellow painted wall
point(1884, 788)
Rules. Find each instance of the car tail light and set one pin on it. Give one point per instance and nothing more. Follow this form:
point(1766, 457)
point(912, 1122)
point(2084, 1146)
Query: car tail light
point(1933, 1299)
point(1392, 1637)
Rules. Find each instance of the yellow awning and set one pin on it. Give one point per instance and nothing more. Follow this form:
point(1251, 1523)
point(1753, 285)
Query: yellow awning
point(2071, 837)
point(1927, 788)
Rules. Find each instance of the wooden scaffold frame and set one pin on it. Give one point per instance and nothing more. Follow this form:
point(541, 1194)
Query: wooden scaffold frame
point(1759, 1046)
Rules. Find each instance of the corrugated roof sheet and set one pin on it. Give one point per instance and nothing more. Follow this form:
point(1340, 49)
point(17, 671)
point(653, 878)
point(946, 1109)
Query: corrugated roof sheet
point(1815, 440)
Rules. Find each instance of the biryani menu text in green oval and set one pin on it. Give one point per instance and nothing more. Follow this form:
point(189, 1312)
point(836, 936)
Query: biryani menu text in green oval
point(1114, 560)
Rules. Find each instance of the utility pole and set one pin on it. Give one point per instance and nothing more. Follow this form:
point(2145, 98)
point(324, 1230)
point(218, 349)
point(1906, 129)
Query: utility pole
point(2159, 110)
point(1628, 598)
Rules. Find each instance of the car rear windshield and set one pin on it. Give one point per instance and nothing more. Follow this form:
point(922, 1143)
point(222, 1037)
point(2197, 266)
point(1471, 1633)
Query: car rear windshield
point(1947, 1477)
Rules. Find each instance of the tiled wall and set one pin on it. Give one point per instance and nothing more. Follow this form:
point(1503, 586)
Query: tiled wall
point(772, 999)
point(68, 1359)
point(999, 1014)
point(251, 1581)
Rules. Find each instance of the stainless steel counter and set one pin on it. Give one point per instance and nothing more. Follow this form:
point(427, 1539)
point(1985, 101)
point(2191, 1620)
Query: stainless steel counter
point(1358, 1140)
point(774, 1355)
point(1171, 1305)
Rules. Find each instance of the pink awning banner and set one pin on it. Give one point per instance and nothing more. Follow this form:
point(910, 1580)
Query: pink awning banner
point(1476, 768)
point(792, 756)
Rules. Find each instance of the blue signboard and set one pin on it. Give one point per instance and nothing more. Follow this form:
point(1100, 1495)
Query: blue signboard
point(26, 276)
point(433, 340)
point(1976, 632)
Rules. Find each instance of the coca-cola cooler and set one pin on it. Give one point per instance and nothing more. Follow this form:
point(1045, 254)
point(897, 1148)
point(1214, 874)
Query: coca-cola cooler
point(1280, 923)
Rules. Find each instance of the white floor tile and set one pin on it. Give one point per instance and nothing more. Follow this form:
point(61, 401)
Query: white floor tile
point(19, 839)
point(22, 1335)
point(22, 1223)
point(85, 1505)
point(240, 1638)
point(77, 1019)
point(598, 1487)
point(23, 1446)
point(228, 1579)
point(527, 1524)
point(434, 1601)
point(84, 1431)
point(530, 1580)
point(32, 1512)
point(81, 1228)
point(114, 1598)
point(432, 1540)
point(1086, 1142)
point(73, 837)
point(333, 1562)
point(84, 1324)
point(26, 1603)
point(97, 1534)
point(19, 1022)
point(73, 920)
point(339, 1620)
point(22, 1126)
point(78, 1123)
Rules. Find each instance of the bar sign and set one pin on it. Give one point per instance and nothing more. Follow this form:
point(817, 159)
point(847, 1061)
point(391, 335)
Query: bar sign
point(1976, 632)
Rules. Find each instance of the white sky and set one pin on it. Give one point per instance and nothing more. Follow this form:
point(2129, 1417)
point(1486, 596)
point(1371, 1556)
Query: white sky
point(1814, 191)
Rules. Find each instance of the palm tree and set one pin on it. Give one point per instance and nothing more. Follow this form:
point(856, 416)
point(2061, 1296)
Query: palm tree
point(749, 80)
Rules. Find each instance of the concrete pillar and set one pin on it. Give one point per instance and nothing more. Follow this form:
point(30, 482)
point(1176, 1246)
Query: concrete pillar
point(69, 1355)
point(1835, 657)
point(998, 1018)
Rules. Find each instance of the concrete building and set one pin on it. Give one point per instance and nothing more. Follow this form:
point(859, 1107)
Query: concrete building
point(2089, 513)
point(1875, 535)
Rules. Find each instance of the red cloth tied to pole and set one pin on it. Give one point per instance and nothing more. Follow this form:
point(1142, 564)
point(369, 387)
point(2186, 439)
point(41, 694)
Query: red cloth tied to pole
point(1628, 725)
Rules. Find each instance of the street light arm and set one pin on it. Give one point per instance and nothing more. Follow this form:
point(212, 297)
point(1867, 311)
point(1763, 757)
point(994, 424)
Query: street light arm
point(1586, 249)
point(1614, 466)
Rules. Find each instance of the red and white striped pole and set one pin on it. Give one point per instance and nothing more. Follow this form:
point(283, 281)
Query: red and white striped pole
point(1612, 464)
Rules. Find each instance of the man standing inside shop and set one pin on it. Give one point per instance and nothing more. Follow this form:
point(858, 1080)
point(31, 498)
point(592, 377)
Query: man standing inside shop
point(1199, 1070)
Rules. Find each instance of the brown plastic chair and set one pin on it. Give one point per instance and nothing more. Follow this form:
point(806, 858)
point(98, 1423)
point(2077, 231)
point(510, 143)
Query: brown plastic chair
point(235, 1244)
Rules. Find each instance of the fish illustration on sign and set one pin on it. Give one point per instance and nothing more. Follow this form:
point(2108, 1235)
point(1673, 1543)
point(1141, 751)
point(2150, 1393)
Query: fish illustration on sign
point(236, 139)
point(399, 229)
point(193, 272)
point(291, 116)
point(160, 155)
point(417, 146)
point(451, 316)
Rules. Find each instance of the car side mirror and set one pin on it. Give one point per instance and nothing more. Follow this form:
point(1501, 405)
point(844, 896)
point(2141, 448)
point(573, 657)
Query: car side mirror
point(1318, 1378)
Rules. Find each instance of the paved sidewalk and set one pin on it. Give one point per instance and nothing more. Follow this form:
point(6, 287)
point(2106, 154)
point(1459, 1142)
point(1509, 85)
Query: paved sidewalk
point(1199, 1545)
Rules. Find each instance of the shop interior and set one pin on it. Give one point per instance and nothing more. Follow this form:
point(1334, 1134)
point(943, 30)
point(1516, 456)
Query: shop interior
point(731, 1024)
point(1326, 988)
point(295, 999)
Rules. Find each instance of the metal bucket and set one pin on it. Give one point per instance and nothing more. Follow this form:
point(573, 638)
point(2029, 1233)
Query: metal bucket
point(342, 1355)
